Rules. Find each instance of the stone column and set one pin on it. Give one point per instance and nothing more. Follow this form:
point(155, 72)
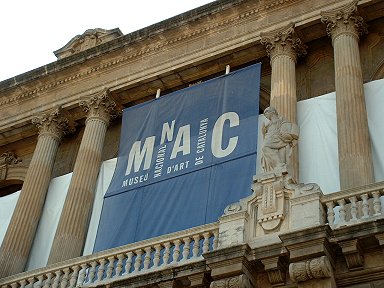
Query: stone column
point(19, 237)
point(345, 27)
point(284, 47)
point(73, 225)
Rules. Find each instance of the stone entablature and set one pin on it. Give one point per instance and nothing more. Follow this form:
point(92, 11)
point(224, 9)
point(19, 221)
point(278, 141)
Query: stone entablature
point(111, 68)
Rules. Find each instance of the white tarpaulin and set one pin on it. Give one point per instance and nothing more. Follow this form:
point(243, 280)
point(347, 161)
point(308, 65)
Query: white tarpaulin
point(318, 156)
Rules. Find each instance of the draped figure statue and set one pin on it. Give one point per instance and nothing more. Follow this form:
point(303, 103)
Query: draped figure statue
point(280, 136)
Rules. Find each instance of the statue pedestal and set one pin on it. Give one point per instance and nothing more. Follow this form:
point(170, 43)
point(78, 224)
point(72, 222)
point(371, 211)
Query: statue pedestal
point(277, 205)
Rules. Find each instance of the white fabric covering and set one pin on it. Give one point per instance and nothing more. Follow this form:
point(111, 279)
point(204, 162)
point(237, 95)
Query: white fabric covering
point(50, 217)
point(7, 205)
point(318, 156)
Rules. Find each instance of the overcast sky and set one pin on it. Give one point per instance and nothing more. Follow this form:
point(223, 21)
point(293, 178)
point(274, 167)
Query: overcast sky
point(32, 29)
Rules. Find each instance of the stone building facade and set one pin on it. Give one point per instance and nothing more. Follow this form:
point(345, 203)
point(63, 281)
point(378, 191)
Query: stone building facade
point(64, 117)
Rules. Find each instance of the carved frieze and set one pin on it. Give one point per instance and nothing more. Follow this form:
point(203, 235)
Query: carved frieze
point(89, 39)
point(316, 268)
point(100, 106)
point(240, 281)
point(7, 158)
point(344, 20)
point(283, 41)
point(54, 123)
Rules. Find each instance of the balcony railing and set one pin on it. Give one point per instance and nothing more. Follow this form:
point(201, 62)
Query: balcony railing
point(355, 205)
point(179, 248)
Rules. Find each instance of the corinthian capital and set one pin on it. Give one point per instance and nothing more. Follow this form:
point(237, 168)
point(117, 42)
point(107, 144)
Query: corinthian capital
point(283, 41)
point(53, 123)
point(311, 269)
point(344, 19)
point(100, 106)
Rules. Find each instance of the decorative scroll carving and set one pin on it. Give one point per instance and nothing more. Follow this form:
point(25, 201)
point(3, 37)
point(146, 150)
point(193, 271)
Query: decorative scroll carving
point(241, 281)
point(53, 123)
point(311, 269)
point(100, 106)
point(283, 41)
point(7, 158)
point(280, 136)
point(89, 39)
point(344, 20)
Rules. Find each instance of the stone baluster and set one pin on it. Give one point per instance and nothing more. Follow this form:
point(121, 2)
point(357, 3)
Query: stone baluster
point(56, 282)
point(284, 47)
point(39, 282)
point(138, 260)
point(176, 251)
point(156, 257)
point(342, 213)
point(128, 263)
point(15, 285)
point(21, 231)
point(73, 225)
point(376, 203)
point(353, 201)
point(82, 273)
point(215, 239)
point(365, 206)
point(119, 265)
point(48, 281)
point(74, 276)
point(345, 27)
point(330, 213)
point(196, 246)
point(23, 283)
point(101, 270)
point(187, 249)
point(111, 266)
point(31, 282)
point(167, 253)
point(206, 242)
point(64, 280)
point(147, 258)
point(92, 272)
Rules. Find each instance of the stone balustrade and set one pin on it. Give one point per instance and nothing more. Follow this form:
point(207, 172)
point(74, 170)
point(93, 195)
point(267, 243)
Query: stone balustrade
point(355, 205)
point(179, 248)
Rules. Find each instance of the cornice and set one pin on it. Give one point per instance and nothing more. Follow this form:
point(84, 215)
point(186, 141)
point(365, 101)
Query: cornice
point(272, 5)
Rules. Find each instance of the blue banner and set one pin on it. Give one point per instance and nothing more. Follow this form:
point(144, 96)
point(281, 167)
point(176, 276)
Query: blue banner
point(182, 159)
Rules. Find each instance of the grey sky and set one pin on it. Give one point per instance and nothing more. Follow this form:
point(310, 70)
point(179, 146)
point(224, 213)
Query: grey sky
point(32, 30)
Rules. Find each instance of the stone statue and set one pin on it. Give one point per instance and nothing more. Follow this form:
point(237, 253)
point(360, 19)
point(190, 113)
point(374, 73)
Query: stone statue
point(280, 136)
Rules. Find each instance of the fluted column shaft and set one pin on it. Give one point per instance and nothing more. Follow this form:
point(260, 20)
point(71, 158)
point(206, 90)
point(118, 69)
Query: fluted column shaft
point(355, 160)
point(283, 46)
point(283, 86)
point(21, 231)
point(73, 225)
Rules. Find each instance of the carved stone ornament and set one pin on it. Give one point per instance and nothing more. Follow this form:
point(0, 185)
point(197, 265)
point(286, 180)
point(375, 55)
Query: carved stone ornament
point(271, 201)
point(53, 123)
point(89, 39)
point(100, 106)
point(241, 281)
point(344, 20)
point(7, 158)
point(311, 269)
point(283, 41)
